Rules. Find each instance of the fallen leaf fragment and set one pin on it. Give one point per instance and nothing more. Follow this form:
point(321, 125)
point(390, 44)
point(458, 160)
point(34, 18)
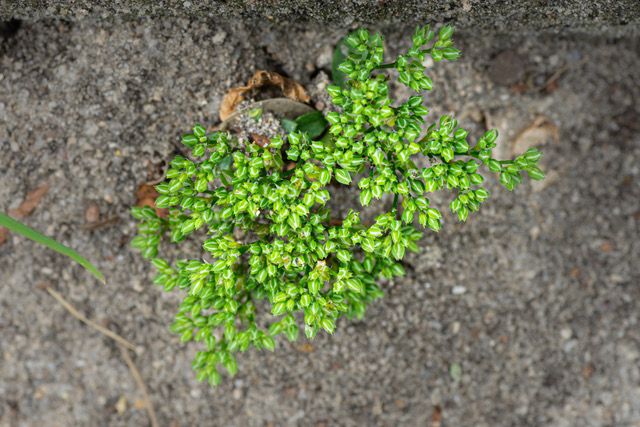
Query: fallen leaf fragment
point(121, 405)
point(539, 132)
point(587, 371)
point(139, 404)
point(436, 416)
point(4, 234)
point(260, 140)
point(30, 202)
point(306, 348)
point(231, 100)
point(146, 195)
point(290, 88)
point(607, 247)
point(92, 213)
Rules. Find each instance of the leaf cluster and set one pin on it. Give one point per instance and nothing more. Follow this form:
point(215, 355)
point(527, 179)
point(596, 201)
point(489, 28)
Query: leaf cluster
point(274, 261)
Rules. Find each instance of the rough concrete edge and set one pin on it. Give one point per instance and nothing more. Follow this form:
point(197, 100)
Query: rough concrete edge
point(617, 17)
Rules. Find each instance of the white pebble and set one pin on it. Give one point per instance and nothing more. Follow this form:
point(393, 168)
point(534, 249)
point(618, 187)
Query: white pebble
point(458, 290)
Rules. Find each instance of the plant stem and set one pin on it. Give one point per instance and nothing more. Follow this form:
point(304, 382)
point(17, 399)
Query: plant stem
point(395, 203)
point(389, 65)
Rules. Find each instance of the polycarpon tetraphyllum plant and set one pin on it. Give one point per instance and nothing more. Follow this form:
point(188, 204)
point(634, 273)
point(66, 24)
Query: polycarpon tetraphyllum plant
point(268, 234)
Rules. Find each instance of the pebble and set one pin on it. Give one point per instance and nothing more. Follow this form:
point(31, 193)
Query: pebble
point(507, 68)
point(219, 37)
point(458, 290)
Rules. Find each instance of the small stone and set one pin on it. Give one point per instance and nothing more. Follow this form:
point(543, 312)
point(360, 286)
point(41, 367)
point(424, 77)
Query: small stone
point(566, 333)
point(377, 407)
point(458, 290)
point(91, 129)
point(507, 68)
point(455, 327)
point(237, 394)
point(534, 232)
point(219, 37)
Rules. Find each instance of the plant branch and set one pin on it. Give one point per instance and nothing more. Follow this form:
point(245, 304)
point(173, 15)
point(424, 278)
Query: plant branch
point(141, 385)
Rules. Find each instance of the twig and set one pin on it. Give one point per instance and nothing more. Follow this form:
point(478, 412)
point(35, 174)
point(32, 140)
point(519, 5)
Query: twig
point(123, 345)
point(559, 72)
point(75, 313)
point(141, 385)
point(99, 224)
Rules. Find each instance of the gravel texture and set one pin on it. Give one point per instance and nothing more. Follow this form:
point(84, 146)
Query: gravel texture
point(525, 316)
point(479, 15)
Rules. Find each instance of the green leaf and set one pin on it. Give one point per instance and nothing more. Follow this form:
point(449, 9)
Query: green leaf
point(312, 123)
point(255, 114)
point(328, 324)
point(536, 173)
point(268, 343)
point(365, 197)
point(355, 285)
point(445, 32)
point(447, 154)
point(199, 131)
point(289, 125)
point(339, 55)
point(343, 177)
point(214, 377)
point(325, 176)
point(30, 233)
point(189, 140)
point(397, 251)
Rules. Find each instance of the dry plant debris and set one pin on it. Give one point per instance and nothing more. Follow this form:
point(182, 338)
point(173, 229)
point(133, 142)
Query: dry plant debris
point(539, 132)
point(290, 88)
point(124, 346)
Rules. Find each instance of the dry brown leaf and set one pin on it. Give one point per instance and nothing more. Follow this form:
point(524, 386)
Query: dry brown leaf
point(306, 348)
point(139, 404)
point(587, 371)
point(607, 246)
point(260, 140)
point(436, 416)
point(539, 132)
point(290, 88)
point(4, 235)
point(231, 100)
point(30, 203)
point(92, 213)
point(146, 195)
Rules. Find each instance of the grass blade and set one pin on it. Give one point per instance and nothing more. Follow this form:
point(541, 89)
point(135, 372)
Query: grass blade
point(30, 233)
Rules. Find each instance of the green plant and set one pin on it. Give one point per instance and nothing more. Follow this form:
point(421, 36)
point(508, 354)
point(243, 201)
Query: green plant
point(272, 249)
point(36, 236)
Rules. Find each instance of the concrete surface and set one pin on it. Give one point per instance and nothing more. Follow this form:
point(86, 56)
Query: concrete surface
point(487, 15)
point(525, 316)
